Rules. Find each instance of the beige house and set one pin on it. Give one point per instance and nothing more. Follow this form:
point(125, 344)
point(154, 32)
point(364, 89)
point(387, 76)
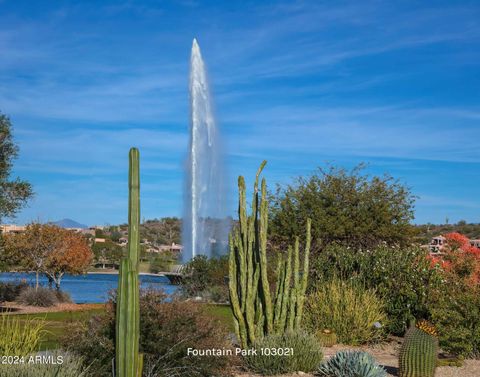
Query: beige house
point(173, 248)
point(475, 243)
point(11, 228)
point(437, 244)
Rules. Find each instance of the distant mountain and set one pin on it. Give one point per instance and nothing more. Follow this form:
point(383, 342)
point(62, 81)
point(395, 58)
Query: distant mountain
point(69, 223)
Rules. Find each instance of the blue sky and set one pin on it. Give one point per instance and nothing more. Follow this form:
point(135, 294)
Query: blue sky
point(394, 84)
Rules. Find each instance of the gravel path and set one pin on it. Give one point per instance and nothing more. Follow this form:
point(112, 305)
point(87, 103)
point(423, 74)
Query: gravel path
point(386, 355)
point(24, 309)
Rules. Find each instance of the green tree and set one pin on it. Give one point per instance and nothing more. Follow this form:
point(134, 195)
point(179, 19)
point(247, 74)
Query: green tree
point(163, 262)
point(115, 236)
point(14, 192)
point(347, 207)
point(107, 252)
point(202, 273)
point(166, 230)
point(4, 264)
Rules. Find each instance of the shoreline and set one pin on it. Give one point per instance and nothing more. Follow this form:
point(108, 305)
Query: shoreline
point(116, 273)
point(13, 308)
point(88, 273)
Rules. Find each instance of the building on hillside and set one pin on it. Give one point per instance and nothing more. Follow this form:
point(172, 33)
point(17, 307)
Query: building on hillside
point(436, 245)
point(475, 243)
point(171, 248)
point(176, 248)
point(76, 230)
point(88, 231)
point(99, 240)
point(12, 228)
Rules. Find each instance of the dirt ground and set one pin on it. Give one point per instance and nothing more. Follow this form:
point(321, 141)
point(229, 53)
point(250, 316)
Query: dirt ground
point(386, 355)
point(24, 309)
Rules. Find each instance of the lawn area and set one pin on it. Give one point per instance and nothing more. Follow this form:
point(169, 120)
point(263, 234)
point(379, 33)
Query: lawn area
point(57, 323)
point(223, 313)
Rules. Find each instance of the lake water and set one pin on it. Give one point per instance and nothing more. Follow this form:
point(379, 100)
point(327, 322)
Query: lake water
point(91, 288)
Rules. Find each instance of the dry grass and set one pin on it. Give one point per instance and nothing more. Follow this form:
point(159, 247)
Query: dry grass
point(347, 308)
point(19, 338)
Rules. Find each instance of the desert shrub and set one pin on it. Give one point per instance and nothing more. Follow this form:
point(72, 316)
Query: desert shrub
point(202, 273)
point(71, 367)
point(456, 314)
point(304, 354)
point(351, 364)
point(179, 325)
point(93, 341)
point(63, 297)
point(403, 276)
point(459, 260)
point(346, 206)
point(10, 291)
point(19, 338)
point(40, 296)
point(355, 313)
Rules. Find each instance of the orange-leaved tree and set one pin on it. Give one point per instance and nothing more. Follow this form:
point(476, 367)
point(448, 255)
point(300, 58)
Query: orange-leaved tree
point(49, 250)
point(28, 251)
point(72, 255)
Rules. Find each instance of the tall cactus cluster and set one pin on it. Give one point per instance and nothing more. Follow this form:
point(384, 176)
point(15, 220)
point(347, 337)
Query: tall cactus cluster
point(256, 313)
point(128, 361)
point(418, 355)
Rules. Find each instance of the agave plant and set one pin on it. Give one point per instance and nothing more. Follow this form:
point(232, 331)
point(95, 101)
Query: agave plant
point(351, 364)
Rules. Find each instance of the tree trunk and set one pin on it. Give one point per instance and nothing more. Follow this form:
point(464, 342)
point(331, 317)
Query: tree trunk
point(36, 280)
point(50, 281)
point(58, 280)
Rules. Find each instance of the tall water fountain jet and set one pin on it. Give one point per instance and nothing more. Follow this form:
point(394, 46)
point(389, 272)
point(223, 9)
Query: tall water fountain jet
point(205, 229)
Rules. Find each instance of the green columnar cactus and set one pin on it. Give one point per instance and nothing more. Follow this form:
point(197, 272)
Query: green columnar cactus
point(128, 361)
point(418, 355)
point(254, 313)
point(302, 286)
point(289, 298)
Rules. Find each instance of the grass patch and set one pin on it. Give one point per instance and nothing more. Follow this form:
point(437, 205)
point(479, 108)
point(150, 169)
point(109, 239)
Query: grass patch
point(223, 313)
point(57, 323)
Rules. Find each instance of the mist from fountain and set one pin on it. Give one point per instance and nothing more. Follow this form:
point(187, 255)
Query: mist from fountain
point(205, 227)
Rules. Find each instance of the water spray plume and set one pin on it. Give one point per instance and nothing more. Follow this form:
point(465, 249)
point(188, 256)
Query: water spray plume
point(204, 230)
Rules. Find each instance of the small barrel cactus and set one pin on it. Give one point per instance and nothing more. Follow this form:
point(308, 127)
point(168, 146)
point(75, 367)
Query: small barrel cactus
point(418, 355)
point(327, 337)
point(351, 364)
